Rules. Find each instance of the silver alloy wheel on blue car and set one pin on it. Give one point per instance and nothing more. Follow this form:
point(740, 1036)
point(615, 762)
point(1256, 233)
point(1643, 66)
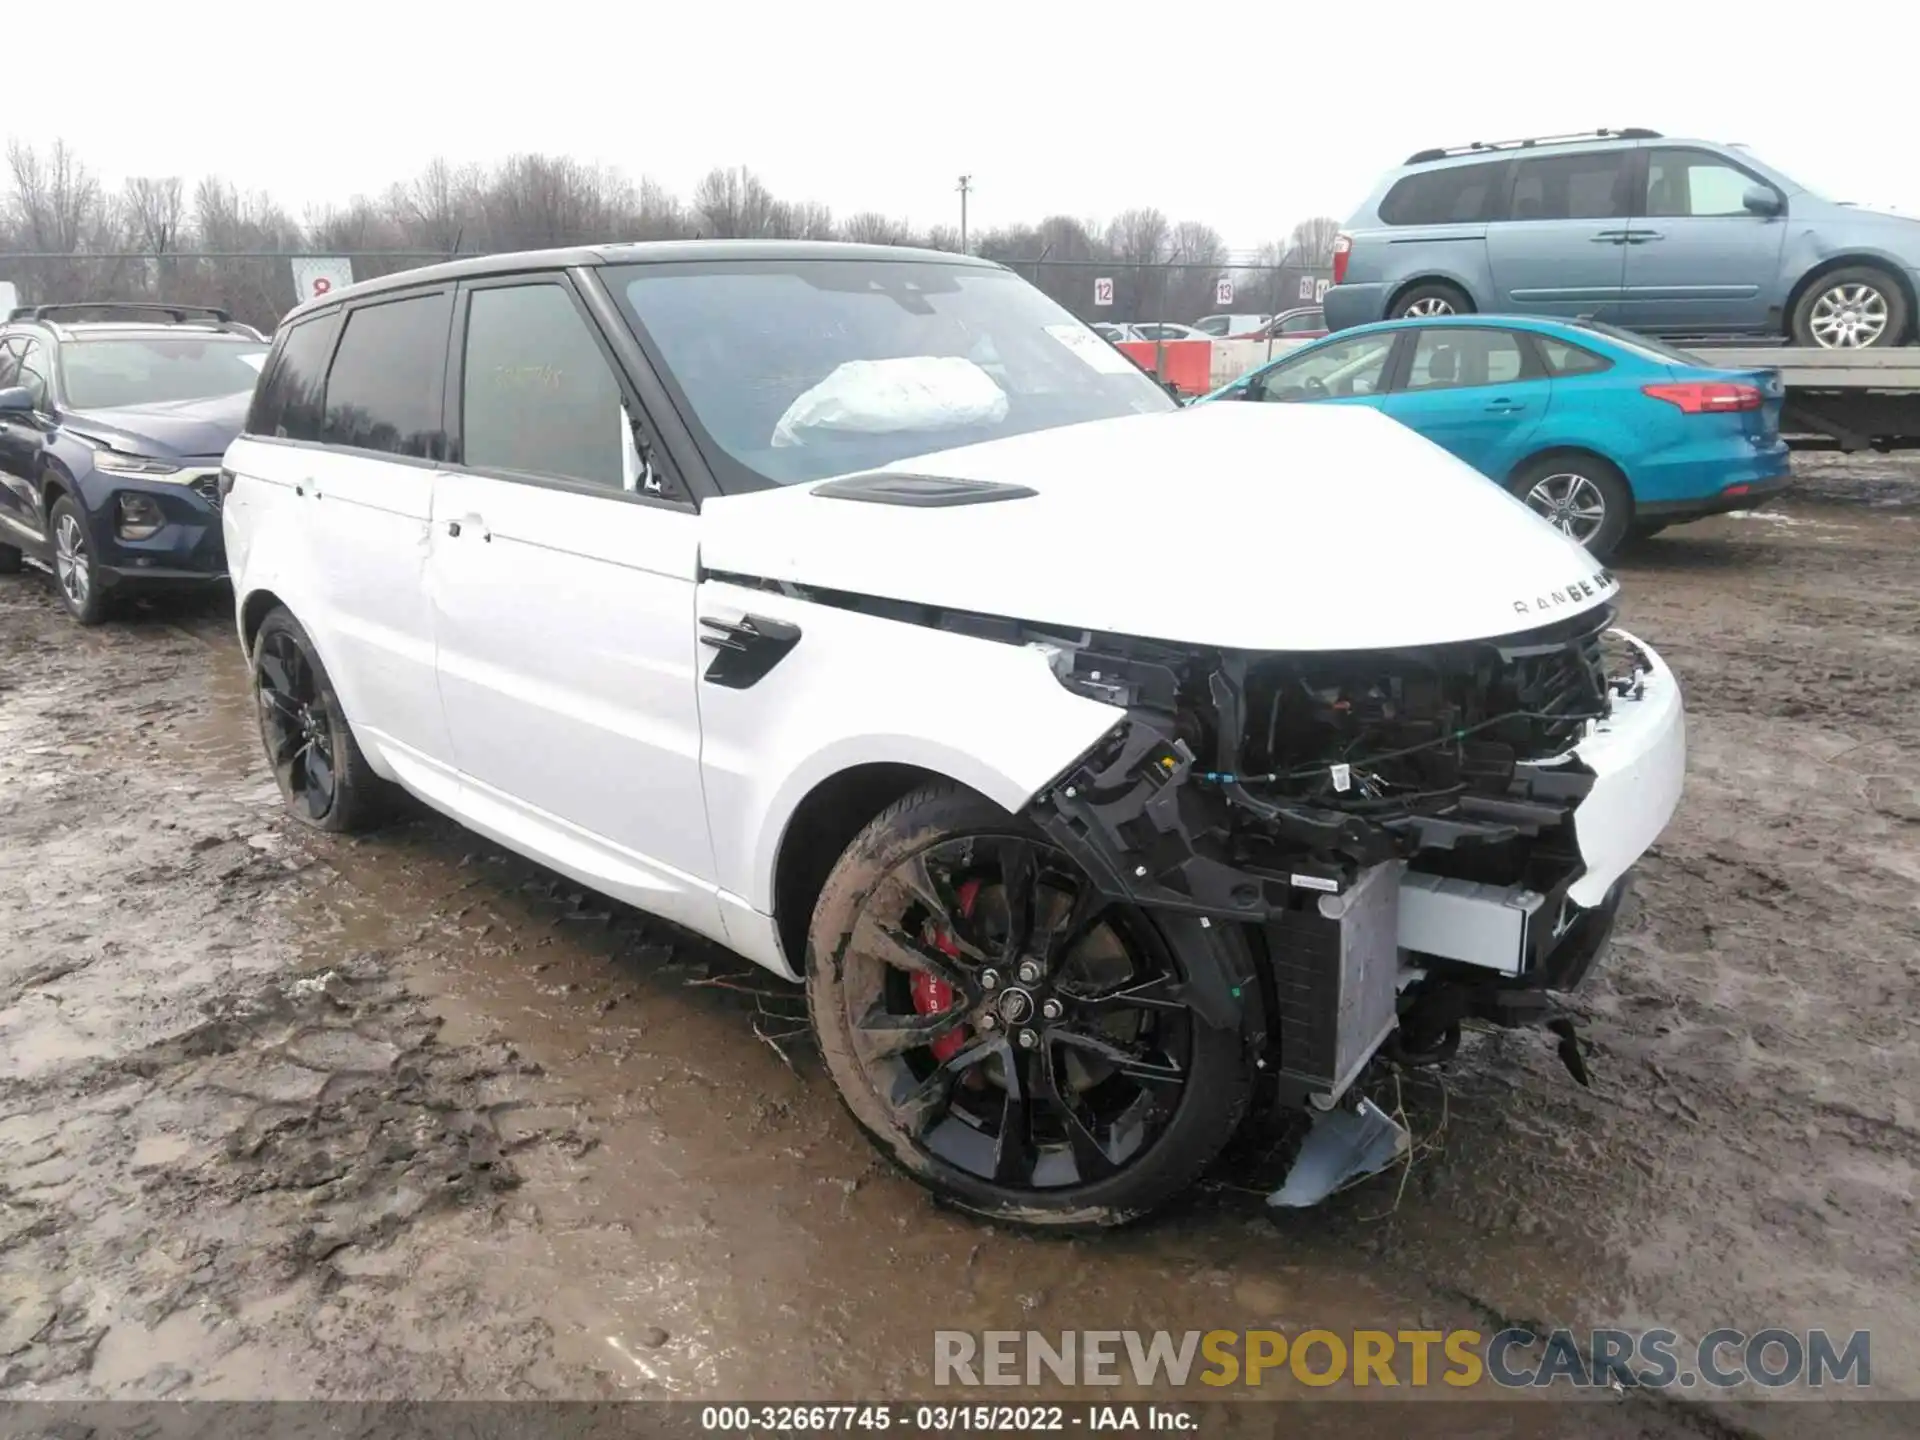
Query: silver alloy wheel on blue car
point(1430, 305)
point(1571, 503)
point(1849, 316)
point(71, 566)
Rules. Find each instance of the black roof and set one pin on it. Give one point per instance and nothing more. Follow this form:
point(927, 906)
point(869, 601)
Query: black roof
point(640, 252)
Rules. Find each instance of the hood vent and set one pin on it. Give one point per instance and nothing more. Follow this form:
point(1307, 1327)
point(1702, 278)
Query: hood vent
point(929, 490)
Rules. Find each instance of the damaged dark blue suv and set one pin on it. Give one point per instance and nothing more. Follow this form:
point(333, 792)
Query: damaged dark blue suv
point(113, 421)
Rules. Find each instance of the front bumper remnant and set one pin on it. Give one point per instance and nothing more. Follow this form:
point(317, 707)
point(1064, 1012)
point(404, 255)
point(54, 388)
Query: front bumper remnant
point(1345, 1144)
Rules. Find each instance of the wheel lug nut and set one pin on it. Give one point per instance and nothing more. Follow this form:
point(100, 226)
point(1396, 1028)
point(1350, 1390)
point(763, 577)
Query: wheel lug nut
point(989, 1021)
point(1028, 1039)
point(989, 979)
point(1053, 1009)
point(1029, 971)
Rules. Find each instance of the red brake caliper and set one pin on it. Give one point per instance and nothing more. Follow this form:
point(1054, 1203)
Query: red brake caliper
point(931, 996)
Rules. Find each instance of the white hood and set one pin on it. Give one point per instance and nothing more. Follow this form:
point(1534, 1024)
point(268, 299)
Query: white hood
point(1239, 526)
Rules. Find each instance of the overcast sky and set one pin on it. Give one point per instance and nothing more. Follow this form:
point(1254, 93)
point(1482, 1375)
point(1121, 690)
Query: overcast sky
point(1247, 117)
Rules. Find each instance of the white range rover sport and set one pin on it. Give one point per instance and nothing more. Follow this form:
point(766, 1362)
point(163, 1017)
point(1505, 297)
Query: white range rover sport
point(1102, 768)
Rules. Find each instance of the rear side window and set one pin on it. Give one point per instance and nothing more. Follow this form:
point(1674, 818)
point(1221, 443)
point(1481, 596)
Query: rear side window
point(384, 390)
point(538, 396)
point(1571, 187)
point(1456, 195)
point(1454, 359)
point(287, 404)
point(1562, 359)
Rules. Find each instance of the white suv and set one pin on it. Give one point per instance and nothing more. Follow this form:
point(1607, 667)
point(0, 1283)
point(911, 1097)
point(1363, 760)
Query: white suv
point(1099, 766)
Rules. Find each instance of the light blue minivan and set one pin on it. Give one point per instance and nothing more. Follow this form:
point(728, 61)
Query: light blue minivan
point(1678, 238)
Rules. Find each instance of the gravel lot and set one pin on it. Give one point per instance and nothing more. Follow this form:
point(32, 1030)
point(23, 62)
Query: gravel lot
point(409, 1117)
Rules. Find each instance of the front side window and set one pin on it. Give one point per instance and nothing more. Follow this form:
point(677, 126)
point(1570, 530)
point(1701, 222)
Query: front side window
point(1305, 321)
point(1693, 183)
point(794, 370)
point(537, 396)
point(1214, 325)
point(1591, 186)
point(1450, 359)
point(106, 374)
point(10, 362)
point(1344, 368)
point(384, 390)
point(1455, 195)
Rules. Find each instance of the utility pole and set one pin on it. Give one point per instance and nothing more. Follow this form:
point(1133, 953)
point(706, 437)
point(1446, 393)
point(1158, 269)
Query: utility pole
point(966, 184)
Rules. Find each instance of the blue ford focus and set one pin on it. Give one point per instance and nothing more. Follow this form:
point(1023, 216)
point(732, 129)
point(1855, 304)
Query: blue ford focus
point(1604, 433)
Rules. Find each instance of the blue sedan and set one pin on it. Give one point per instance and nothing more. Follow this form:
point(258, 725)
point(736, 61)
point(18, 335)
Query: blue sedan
point(1602, 432)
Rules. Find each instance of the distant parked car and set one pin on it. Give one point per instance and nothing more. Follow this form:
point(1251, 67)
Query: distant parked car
point(1601, 432)
point(1152, 332)
point(1308, 322)
point(1222, 327)
point(111, 435)
point(1666, 237)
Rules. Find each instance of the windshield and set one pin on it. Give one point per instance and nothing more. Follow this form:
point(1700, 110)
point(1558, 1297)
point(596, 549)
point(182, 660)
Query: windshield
point(151, 370)
point(801, 369)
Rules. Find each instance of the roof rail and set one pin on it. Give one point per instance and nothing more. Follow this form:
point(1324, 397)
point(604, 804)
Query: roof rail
point(180, 314)
point(1421, 157)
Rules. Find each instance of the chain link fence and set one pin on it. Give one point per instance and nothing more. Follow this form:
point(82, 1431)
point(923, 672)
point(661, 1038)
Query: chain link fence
point(259, 288)
point(1171, 291)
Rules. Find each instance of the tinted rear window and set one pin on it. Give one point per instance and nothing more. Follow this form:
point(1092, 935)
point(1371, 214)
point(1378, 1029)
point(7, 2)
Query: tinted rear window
point(1456, 195)
point(287, 404)
point(384, 391)
point(1592, 186)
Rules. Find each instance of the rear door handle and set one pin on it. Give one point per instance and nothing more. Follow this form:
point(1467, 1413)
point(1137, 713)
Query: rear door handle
point(1505, 407)
point(465, 523)
point(1641, 237)
point(1610, 237)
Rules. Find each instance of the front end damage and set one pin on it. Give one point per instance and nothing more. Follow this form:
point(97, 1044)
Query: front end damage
point(1420, 837)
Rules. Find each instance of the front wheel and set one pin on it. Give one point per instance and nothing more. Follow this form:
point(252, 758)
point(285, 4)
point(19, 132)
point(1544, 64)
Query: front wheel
point(74, 575)
point(1853, 308)
point(1019, 1044)
point(1581, 496)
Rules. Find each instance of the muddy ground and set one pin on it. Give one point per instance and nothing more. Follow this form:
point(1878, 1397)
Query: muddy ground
point(405, 1116)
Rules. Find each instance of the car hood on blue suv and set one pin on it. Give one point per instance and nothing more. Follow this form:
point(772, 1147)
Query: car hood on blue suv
point(171, 428)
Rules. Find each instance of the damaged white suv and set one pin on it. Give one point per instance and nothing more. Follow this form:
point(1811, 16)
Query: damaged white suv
point(1097, 765)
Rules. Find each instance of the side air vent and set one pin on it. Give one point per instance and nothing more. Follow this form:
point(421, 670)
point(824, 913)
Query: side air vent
point(888, 489)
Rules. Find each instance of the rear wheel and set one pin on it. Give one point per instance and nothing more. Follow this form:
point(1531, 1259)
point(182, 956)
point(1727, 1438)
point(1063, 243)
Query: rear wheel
point(1435, 297)
point(322, 773)
point(1582, 496)
point(1853, 308)
point(1018, 1044)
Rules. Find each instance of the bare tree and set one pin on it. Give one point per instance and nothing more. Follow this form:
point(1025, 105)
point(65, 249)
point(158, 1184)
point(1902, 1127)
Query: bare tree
point(870, 227)
point(735, 204)
point(439, 208)
point(1311, 243)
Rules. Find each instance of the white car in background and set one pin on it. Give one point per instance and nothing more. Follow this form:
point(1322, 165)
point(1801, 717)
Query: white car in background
point(1225, 327)
point(1101, 768)
point(1150, 331)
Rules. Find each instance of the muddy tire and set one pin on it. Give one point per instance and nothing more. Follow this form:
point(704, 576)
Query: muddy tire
point(324, 777)
point(1017, 1044)
point(75, 579)
point(11, 561)
point(1581, 495)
